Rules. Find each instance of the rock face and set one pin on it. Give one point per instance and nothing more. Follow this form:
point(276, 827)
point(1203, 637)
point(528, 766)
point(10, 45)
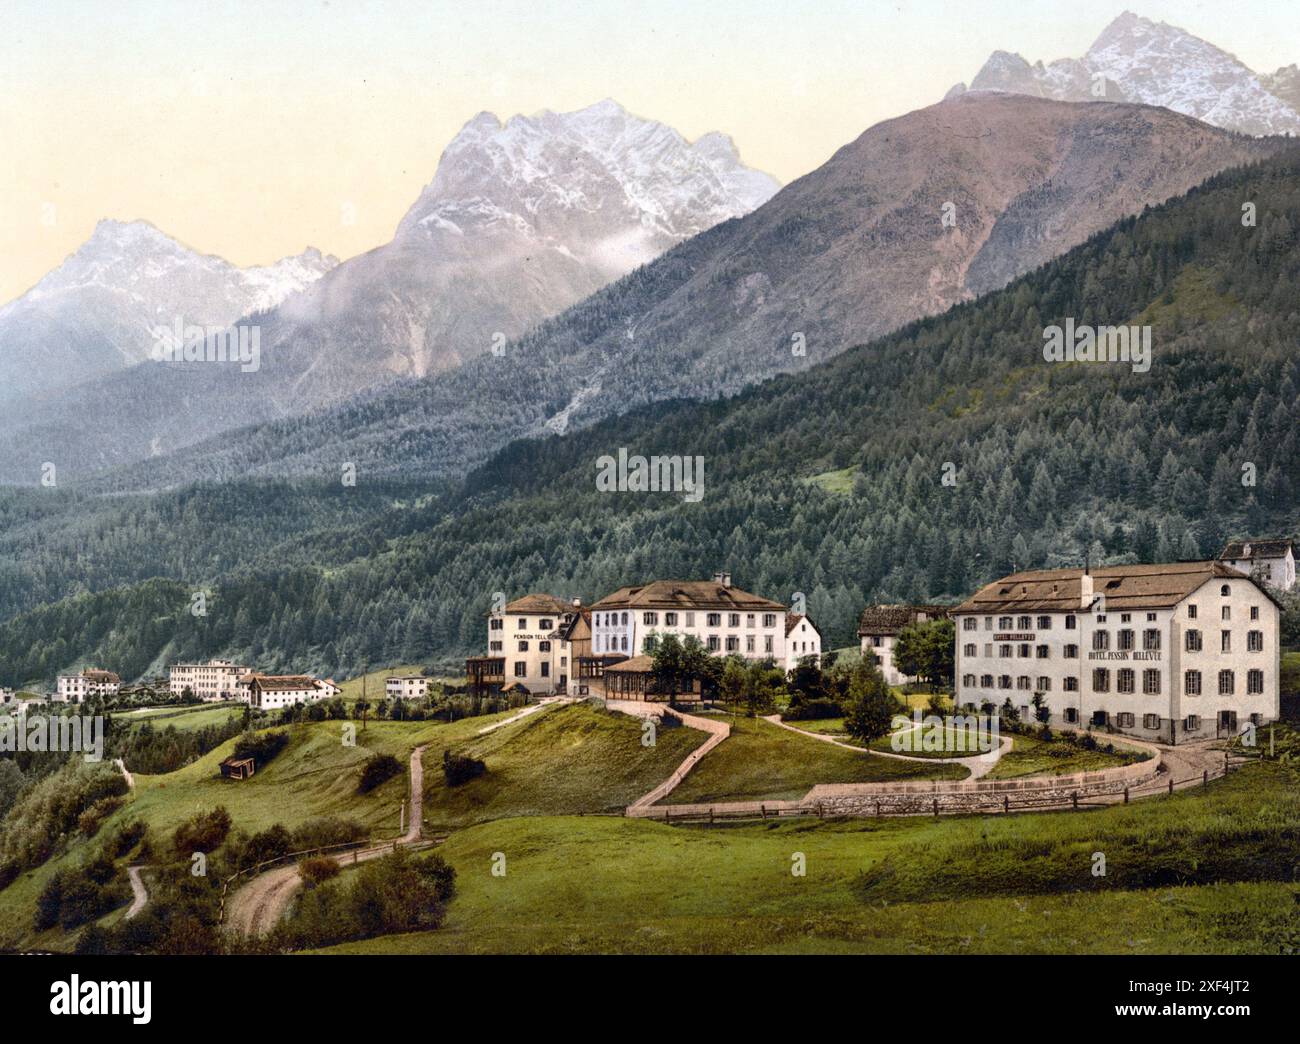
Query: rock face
point(93, 315)
point(521, 220)
point(1137, 60)
point(919, 213)
point(1284, 84)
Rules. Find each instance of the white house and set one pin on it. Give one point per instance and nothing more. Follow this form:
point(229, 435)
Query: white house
point(269, 692)
point(801, 639)
point(214, 680)
point(1269, 561)
point(879, 628)
point(77, 688)
point(406, 687)
point(527, 646)
point(1166, 652)
point(724, 618)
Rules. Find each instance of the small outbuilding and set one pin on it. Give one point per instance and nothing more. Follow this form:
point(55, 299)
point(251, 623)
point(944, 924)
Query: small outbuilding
point(238, 768)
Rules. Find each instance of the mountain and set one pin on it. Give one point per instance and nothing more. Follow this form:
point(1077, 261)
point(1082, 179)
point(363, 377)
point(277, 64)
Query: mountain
point(845, 254)
point(95, 313)
point(521, 220)
point(833, 482)
point(1284, 85)
point(1153, 63)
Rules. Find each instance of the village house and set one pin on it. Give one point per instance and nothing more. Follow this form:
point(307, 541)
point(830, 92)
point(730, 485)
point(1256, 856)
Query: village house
point(211, 681)
point(270, 692)
point(802, 639)
point(1269, 561)
point(1170, 652)
point(879, 627)
point(77, 688)
point(406, 687)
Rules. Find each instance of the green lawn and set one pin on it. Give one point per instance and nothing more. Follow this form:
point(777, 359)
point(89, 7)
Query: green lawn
point(1030, 756)
point(1205, 871)
point(760, 761)
point(575, 759)
point(183, 718)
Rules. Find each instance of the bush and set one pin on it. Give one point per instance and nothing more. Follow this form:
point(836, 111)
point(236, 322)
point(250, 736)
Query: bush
point(460, 768)
point(89, 820)
point(126, 837)
point(316, 870)
point(814, 710)
point(272, 843)
point(326, 830)
point(202, 832)
point(261, 746)
point(379, 768)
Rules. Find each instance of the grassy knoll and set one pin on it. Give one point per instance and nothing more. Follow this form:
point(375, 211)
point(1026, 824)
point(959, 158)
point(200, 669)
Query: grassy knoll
point(183, 718)
point(1207, 870)
point(574, 759)
point(761, 761)
point(1031, 756)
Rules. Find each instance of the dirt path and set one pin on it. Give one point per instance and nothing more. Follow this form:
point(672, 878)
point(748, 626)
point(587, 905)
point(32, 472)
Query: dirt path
point(540, 705)
point(130, 780)
point(137, 890)
point(256, 907)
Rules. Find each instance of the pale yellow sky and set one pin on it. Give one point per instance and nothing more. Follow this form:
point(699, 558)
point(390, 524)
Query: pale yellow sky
point(252, 130)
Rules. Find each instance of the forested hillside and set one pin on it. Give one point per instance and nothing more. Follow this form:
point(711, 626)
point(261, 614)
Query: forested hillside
point(831, 482)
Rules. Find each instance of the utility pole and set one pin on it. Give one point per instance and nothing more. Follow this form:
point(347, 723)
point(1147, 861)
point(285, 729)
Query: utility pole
point(401, 820)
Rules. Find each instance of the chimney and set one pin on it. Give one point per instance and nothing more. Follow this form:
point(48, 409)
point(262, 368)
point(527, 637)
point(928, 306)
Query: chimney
point(577, 603)
point(722, 579)
point(1085, 589)
point(1245, 551)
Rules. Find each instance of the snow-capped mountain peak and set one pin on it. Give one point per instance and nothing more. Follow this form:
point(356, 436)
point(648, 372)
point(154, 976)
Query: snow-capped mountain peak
point(1153, 63)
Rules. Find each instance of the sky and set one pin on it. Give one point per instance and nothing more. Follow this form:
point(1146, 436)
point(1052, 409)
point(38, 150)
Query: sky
point(253, 129)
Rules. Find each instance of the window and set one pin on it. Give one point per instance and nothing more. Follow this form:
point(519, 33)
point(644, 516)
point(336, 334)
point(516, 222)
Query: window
point(1044, 683)
point(1225, 613)
point(1023, 651)
point(1254, 641)
point(1125, 617)
point(733, 643)
point(1254, 612)
point(1225, 641)
point(988, 623)
point(670, 619)
point(1071, 652)
point(749, 643)
point(733, 619)
point(1151, 617)
point(1024, 623)
point(1254, 682)
point(1126, 640)
point(968, 681)
point(1151, 682)
point(521, 668)
point(1005, 651)
point(1191, 612)
point(1125, 680)
point(690, 619)
point(1004, 681)
point(749, 620)
point(714, 643)
point(1100, 679)
point(713, 620)
point(769, 619)
point(546, 670)
point(521, 624)
point(523, 646)
point(1192, 683)
point(1022, 683)
point(545, 625)
point(495, 646)
point(650, 619)
point(988, 648)
point(767, 643)
point(1071, 623)
point(968, 649)
point(1225, 590)
point(543, 646)
point(1192, 722)
point(1044, 623)
point(1151, 639)
point(1151, 721)
point(1071, 715)
point(1099, 717)
point(1004, 622)
point(968, 624)
point(1043, 652)
point(624, 620)
point(986, 681)
point(1193, 641)
point(1100, 641)
point(1227, 683)
point(1125, 720)
point(496, 623)
point(1101, 617)
point(1070, 685)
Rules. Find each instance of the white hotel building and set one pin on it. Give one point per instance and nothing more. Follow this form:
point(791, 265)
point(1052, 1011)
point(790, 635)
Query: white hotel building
point(726, 620)
point(1165, 652)
point(214, 680)
point(77, 688)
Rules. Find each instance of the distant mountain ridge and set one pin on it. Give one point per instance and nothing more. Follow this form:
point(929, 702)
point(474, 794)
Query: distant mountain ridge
point(1153, 63)
point(93, 315)
point(845, 254)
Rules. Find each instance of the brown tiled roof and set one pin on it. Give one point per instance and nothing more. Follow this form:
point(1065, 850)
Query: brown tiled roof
point(100, 677)
point(539, 603)
point(571, 623)
point(282, 682)
point(1237, 549)
point(794, 620)
point(891, 619)
point(634, 665)
point(1123, 587)
point(686, 594)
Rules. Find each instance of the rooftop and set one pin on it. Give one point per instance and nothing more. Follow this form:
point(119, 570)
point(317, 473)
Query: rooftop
point(687, 594)
point(540, 603)
point(891, 619)
point(1251, 549)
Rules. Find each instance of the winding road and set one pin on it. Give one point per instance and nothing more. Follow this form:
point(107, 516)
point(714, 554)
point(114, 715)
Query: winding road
point(139, 895)
point(258, 905)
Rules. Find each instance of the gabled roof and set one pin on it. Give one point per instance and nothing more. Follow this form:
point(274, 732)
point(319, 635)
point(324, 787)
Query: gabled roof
point(539, 603)
point(571, 621)
point(887, 620)
point(794, 620)
point(282, 682)
point(633, 665)
point(1252, 549)
point(1123, 587)
point(687, 594)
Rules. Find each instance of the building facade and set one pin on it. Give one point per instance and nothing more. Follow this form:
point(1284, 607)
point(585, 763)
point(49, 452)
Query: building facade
point(879, 628)
point(527, 646)
point(1175, 652)
point(77, 688)
point(407, 687)
point(1272, 562)
point(270, 692)
point(214, 680)
point(801, 639)
point(726, 620)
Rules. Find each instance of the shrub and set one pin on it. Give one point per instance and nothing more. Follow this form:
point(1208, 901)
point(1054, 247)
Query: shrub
point(326, 830)
point(89, 820)
point(261, 746)
point(316, 870)
point(379, 768)
point(814, 710)
point(460, 768)
point(202, 832)
point(126, 837)
point(271, 843)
